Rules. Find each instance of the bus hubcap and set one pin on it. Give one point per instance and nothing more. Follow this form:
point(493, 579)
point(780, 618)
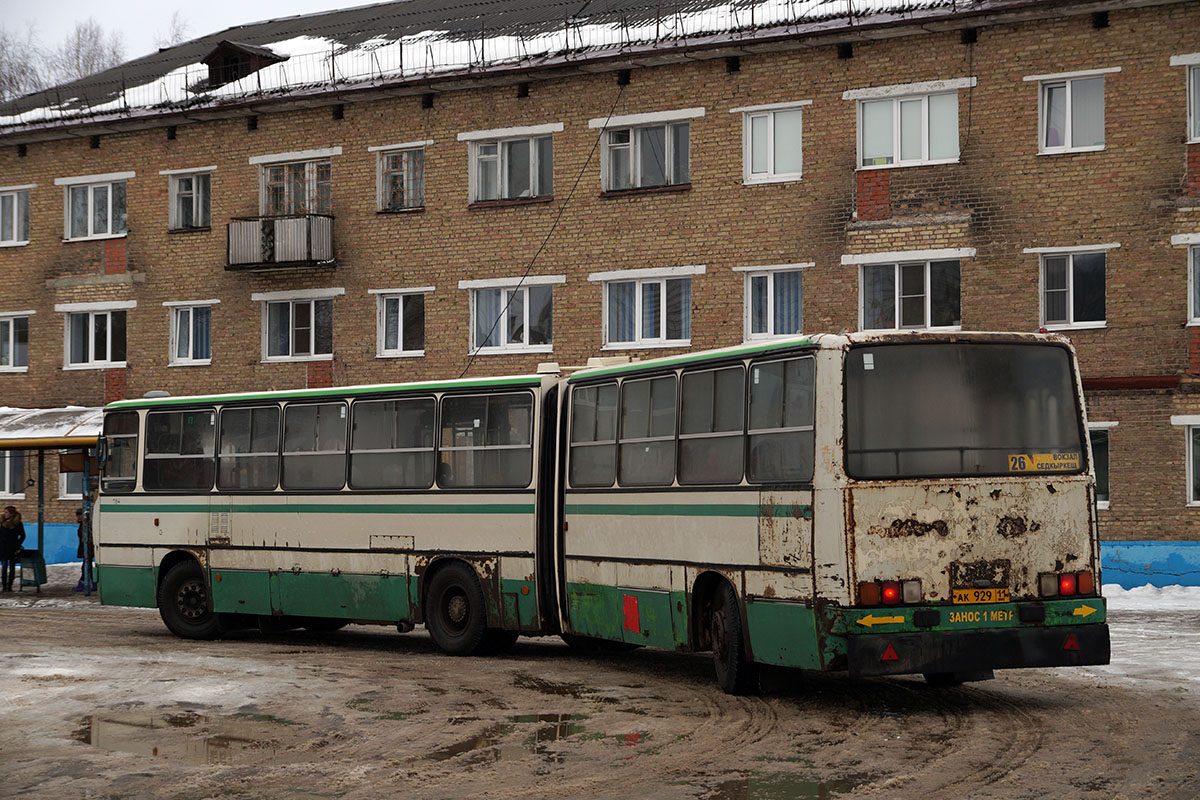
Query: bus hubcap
point(456, 609)
point(192, 600)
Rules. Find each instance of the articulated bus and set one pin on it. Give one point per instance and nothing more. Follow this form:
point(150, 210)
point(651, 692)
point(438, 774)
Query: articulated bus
point(880, 504)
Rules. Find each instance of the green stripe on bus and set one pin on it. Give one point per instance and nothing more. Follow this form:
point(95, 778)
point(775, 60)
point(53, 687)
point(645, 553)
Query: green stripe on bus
point(687, 358)
point(318, 508)
point(690, 510)
point(341, 391)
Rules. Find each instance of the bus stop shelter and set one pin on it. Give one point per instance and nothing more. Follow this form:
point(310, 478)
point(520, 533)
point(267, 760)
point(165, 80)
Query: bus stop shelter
point(27, 434)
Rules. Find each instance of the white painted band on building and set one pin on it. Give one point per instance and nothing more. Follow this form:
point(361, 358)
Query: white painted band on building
point(112, 305)
point(500, 283)
point(652, 272)
point(511, 133)
point(18, 188)
point(903, 89)
point(770, 107)
point(1096, 426)
point(401, 146)
point(648, 118)
point(908, 255)
point(1186, 60)
point(1185, 239)
point(1082, 248)
point(414, 290)
point(298, 294)
point(107, 177)
point(776, 267)
point(1185, 419)
point(296, 155)
point(183, 303)
point(1083, 73)
point(6, 314)
point(211, 168)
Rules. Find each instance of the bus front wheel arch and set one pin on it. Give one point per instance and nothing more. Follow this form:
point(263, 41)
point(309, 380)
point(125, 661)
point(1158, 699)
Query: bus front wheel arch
point(185, 602)
point(455, 610)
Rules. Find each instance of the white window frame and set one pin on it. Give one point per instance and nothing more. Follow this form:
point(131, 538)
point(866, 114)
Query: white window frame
point(499, 137)
point(505, 285)
point(1188, 422)
point(15, 193)
point(749, 113)
point(1068, 79)
point(293, 297)
point(1069, 252)
point(1193, 279)
point(173, 177)
point(1191, 64)
point(93, 310)
point(633, 123)
point(382, 296)
point(1104, 505)
point(897, 158)
point(381, 154)
point(311, 190)
point(643, 276)
point(898, 297)
point(174, 308)
point(10, 316)
point(91, 183)
point(749, 274)
point(5, 476)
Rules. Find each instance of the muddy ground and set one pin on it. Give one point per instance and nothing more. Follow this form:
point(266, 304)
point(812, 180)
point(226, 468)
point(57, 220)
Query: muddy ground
point(104, 703)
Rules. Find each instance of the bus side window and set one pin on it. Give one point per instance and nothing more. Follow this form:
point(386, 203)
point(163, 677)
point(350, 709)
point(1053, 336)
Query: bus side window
point(314, 446)
point(180, 449)
point(391, 444)
point(249, 454)
point(782, 409)
point(487, 441)
point(647, 448)
point(712, 420)
point(594, 435)
point(120, 465)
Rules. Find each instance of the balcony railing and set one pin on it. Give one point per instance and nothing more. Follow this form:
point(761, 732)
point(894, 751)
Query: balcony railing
point(292, 240)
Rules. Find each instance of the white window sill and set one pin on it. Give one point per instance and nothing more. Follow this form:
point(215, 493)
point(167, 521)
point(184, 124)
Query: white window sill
point(1193, 140)
point(1193, 504)
point(768, 337)
point(1076, 326)
point(1102, 505)
point(402, 354)
point(198, 363)
point(768, 179)
point(947, 329)
point(507, 351)
point(1058, 151)
point(12, 497)
point(14, 369)
point(295, 359)
point(96, 238)
point(70, 497)
point(96, 365)
point(1193, 323)
point(14, 244)
point(651, 345)
point(865, 168)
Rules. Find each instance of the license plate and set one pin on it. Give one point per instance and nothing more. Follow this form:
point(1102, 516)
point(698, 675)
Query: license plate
point(980, 596)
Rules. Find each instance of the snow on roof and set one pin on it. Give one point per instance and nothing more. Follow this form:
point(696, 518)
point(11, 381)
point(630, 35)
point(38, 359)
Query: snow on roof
point(26, 424)
point(392, 42)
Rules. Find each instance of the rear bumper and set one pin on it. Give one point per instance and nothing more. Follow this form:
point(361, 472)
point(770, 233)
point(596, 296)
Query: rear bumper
point(977, 650)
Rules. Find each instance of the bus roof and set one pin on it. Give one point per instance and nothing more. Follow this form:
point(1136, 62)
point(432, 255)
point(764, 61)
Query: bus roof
point(750, 349)
point(336, 391)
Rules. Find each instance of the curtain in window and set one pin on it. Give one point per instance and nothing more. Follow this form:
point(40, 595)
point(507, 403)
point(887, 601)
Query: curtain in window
point(201, 343)
point(487, 312)
point(943, 126)
point(1087, 112)
point(879, 296)
point(679, 308)
point(787, 142)
point(622, 324)
point(788, 303)
point(876, 133)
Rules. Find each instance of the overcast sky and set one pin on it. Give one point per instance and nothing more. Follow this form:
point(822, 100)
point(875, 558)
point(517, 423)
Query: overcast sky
point(142, 21)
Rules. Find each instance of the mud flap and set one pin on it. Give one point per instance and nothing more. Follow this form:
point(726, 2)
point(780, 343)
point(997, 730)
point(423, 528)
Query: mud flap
point(968, 651)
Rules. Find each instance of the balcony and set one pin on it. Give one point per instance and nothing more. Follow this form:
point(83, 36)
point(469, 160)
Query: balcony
point(291, 240)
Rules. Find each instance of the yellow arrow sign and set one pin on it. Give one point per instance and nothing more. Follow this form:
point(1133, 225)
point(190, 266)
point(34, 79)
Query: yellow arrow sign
point(1083, 611)
point(871, 619)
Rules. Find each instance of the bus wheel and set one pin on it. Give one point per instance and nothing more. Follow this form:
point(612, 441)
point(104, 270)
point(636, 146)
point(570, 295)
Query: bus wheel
point(454, 610)
point(185, 604)
point(735, 674)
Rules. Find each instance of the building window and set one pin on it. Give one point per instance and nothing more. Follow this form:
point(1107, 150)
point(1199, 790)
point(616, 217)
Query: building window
point(191, 334)
point(302, 187)
point(516, 318)
point(771, 142)
point(1193, 464)
point(299, 329)
point(95, 338)
point(651, 311)
point(774, 303)
point(14, 344)
point(401, 324)
point(1194, 286)
point(1072, 114)
point(70, 484)
point(190, 201)
point(12, 474)
point(654, 155)
point(1098, 434)
point(920, 295)
point(918, 129)
point(512, 169)
point(14, 217)
point(401, 179)
point(1073, 287)
point(96, 210)
point(1194, 103)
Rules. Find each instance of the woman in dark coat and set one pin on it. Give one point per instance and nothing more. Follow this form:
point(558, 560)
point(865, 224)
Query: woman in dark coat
point(12, 536)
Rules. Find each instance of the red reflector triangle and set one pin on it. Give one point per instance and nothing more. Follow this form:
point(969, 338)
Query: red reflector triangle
point(889, 654)
point(1070, 643)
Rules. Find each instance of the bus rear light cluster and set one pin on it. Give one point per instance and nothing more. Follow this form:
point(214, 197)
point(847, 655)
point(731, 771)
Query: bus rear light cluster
point(1065, 584)
point(889, 593)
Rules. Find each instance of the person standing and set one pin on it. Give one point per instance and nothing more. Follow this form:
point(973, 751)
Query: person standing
point(12, 536)
point(85, 560)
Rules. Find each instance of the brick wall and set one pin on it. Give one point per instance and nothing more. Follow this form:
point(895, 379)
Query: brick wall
point(999, 198)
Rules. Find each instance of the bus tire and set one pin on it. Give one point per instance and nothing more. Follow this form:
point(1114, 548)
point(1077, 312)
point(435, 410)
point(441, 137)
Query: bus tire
point(735, 673)
point(455, 610)
point(185, 604)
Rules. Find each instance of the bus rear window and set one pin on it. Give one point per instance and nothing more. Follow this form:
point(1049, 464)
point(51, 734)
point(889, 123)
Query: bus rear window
point(945, 410)
point(120, 463)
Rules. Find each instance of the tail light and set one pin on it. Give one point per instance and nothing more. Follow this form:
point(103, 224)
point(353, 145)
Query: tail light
point(1066, 584)
point(889, 593)
point(868, 593)
point(1085, 583)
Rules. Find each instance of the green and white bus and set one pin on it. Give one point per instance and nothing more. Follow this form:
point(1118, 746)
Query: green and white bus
point(875, 503)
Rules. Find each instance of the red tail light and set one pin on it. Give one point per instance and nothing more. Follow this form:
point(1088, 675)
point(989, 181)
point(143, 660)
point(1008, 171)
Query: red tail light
point(891, 593)
point(868, 593)
point(1084, 583)
point(1067, 583)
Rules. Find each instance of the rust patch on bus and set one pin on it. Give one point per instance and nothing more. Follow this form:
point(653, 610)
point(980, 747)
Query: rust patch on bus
point(980, 574)
point(1012, 527)
point(911, 527)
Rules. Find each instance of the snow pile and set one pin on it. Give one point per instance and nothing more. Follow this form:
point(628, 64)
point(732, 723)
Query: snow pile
point(1152, 598)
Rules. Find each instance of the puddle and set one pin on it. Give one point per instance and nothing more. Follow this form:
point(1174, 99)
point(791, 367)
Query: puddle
point(493, 743)
point(781, 786)
point(192, 738)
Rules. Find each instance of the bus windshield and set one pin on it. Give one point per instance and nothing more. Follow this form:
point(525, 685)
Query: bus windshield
point(945, 410)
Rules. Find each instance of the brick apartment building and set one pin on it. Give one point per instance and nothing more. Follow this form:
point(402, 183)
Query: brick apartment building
point(400, 192)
